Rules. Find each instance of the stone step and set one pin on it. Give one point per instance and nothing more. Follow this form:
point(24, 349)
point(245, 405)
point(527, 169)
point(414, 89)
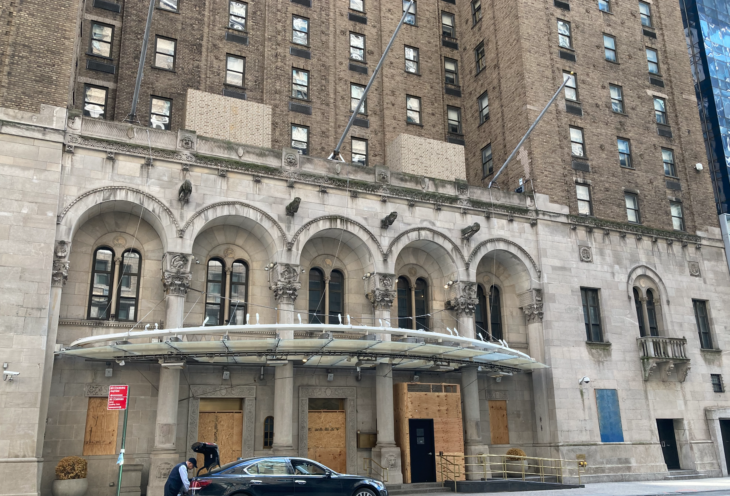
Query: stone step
point(685, 475)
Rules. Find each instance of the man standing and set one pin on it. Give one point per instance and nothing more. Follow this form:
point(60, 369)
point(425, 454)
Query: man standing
point(177, 481)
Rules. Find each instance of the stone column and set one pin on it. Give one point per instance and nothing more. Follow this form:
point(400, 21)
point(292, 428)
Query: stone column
point(463, 301)
point(473, 444)
point(386, 453)
point(327, 301)
point(115, 288)
point(284, 282)
point(645, 315)
point(380, 291)
point(166, 454)
point(413, 306)
point(227, 302)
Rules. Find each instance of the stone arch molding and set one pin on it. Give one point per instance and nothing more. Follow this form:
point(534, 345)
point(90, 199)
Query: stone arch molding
point(427, 234)
point(483, 249)
point(154, 211)
point(644, 270)
point(336, 222)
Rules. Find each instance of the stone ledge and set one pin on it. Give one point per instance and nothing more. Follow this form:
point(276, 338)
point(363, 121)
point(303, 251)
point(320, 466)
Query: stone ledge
point(597, 344)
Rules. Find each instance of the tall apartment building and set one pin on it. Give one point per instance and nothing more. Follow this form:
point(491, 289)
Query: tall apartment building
point(177, 254)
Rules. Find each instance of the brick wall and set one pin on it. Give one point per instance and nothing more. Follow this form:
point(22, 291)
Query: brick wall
point(426, 157)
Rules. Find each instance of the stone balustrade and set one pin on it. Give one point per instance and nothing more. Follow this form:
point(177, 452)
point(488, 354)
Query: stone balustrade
point(668, 355)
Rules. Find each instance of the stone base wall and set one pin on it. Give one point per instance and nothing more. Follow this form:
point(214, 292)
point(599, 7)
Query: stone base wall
point(426, 157)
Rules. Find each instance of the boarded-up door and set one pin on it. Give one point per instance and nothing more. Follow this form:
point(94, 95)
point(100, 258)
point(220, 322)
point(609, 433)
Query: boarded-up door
point(498, 426)
point(100, 436)
point(221, 422)
point(326, 439)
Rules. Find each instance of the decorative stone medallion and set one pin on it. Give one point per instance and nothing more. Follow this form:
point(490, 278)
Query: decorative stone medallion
point(229, 253)
point(694, 269)
point(119, 242)
point(586, 255)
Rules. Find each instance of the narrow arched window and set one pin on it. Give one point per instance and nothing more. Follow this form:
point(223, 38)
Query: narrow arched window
point(421, 296)
point(269, 432)
point(639, 313)
point(214, 293)
point(336, 296)
point(495, 313)
point(316, 296)
point(482, 328)
point(651, 313)
point(100, 296)
point(405, 309)
point(239, 293)
point(129, 286)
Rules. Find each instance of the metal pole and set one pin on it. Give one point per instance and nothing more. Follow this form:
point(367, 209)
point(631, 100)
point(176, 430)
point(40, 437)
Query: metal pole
point(336, 153)
point(132, 117)
point(124, 441)
point(539, 117)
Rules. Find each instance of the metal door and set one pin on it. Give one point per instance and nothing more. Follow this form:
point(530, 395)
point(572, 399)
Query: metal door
point(668, 442)
point(423, 455)
point(725, 431)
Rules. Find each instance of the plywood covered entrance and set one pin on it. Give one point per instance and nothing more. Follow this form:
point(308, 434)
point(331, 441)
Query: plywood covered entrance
point(440, 402)
point(221, 421)
point(327, 440)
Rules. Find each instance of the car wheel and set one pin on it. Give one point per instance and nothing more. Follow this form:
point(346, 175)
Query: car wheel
point(363, 491)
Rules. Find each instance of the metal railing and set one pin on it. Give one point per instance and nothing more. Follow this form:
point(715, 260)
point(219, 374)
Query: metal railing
point(662, 347)
point(368, 467)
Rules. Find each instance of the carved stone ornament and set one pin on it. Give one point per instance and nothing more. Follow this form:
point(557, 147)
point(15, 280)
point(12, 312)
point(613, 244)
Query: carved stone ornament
point(59, 275)
point(464, 299)
point(163, 470)
point(96, 390)
point(533, 312)
point(285, 283)
point(187, 142)
point(178, 262)
point(61, 249)
point(176, 283)
point(290, 159)
point(386, 282)
point(586, 255)
point(694, 269)
point(382, 299)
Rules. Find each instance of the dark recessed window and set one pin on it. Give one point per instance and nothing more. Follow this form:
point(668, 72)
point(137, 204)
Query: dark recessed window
point(585, 205)
point(564, 37)
point(604, 5)
point(577, 147)
point(95, 101)
point(703, 324)
point(358, 5)
point(165, 53)
point(480, 57)
point(356, 92)
point(632, 208)
point(359, 151)
point(448, 25)
point(412, 65)
point(476, 11)
point(357, 47)
point(300, 30)
point(571, 87)
point(129, 286)
point(214, 295)
point(235, 70)
point(660, 110)
point(591, 315)
point(411, 17)
point(645, 11)
point(717, 384)
point(483, 102)
point(677, 216)
point(237, 15)
point(624, 153)
point(609, 48)
point(451, 71)
point(617, 98)
point(101, 40)
point(652, 57)
point(317, 291)
point(238, 293)
point(300, 138)
point(413, 109)
point(300, 84)
point(454, 119)
point(668, 159)
point(170, 5)
point(487, 163)
point(160, 113)
point(101, 284)
point(268, 432)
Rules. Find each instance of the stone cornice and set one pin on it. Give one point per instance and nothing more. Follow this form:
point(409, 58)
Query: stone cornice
point(639, 230)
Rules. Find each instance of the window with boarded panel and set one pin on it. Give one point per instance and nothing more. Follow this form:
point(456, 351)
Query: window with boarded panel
point(100, 437)
point(498, 426)
point(609, 416)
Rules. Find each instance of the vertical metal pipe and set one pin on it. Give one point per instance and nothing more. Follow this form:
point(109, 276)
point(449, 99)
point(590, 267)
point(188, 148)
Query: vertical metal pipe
point(335, 154)
point(132, 117)
point(124, 442)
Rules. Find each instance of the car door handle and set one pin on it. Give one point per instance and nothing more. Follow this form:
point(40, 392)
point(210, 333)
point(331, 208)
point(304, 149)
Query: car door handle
point(300, 481)
point(255, 482)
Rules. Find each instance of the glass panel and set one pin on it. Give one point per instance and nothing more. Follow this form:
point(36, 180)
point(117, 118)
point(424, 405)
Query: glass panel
point(316, 297)
point(609, 42)
point(495, 308)
point(668, 159)
point(161, 107)
point(169, 5)
point(238, 9)
point(126, 310)
point(583, 192)
point(564, 34)
point(99, 308)
point(299, 133)
point(413, 103)
point(357, 41)
point(335, 296)
point(271, 467)
point(103, 260)
point(100, 32)
point(357, 5)
point(165, 46)
point(421, 296)
point(359, 146)
point(101, 284)
point(404, 304)
point(639, 313)
point(604, 5)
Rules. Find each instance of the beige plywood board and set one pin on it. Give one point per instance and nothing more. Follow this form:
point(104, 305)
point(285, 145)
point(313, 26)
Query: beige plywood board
point(327, 440)
point(100, 436)
point(226, 430)
point(498, 425)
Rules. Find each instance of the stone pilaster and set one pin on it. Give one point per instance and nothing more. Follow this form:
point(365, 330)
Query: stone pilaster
point(386, 453)
point(380, 291)
point(473, 443)
point(463, 302)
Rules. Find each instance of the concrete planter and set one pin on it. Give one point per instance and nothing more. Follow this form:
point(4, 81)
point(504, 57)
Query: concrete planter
point(515, 468)
point(70, 487)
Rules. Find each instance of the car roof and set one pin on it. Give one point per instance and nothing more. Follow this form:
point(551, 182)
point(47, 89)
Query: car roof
point(255, 459)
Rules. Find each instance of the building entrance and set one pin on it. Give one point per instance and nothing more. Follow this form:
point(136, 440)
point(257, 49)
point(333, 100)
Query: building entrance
point(669, 443)
point(423, 454)
point(725, 431)
point(327, 436)
point(221, 421)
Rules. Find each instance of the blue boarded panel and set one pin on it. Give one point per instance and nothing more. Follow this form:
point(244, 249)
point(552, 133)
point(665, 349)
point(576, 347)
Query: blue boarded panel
point(609, 416)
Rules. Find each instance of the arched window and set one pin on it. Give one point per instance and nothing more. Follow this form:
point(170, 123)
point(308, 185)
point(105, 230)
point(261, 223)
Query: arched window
point(336, 296)
point(129, 286)
point(269, 432)
point(651, 313)
point(239, 292)
point(421, 297)
point(482, 328)
point(495, 313)
point(639, 313)
point(316, 296)
point(405, 309)
point(101, 284)
point(214, 293)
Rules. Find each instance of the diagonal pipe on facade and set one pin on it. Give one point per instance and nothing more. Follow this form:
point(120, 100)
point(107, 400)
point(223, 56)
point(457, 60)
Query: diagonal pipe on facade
point(335, 155)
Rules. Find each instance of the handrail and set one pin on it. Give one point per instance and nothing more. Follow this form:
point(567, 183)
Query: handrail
point(502, 466)
point(368, 467)
point(663, 347)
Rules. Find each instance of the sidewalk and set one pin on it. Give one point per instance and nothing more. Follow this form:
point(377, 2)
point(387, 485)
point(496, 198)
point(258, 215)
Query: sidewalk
point(713, 487)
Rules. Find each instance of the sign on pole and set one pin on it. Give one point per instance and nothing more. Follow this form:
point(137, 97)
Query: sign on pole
point(118, 397)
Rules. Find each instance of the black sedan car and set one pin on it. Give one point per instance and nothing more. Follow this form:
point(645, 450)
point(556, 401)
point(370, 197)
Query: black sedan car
point(282, 476)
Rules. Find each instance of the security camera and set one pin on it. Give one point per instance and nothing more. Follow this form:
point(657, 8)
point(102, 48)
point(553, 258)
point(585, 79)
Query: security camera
point(9, 375)
point(584, 380)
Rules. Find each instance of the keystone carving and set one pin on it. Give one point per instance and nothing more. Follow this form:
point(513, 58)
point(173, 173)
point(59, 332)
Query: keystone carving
point(464, 299)
point(285, 283)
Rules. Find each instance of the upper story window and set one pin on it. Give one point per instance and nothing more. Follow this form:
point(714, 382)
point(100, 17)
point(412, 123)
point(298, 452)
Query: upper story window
point(357, 47)
point(102, 275)
point(677, 216)
point(483, 102)
point(451, 71)
point(359, 148)
point(300, 138)
point(316, 295)
point(592, 315)
point(165, 53)
point(609, 48)
point(717, 385)
point(300, 84)
point(171, 5)
point(356, 93)
point(645, 11)
point(564, 37)
point(481, 57)
point(488, 314)
point(413, 109)
point(577, 148)
point(448, 25)
point(95, 101)
point(660, 110)
point(237, 15)
point(571, 87)
point(160, 113)
point(268, 432)
point(454, 119)
point(639, 313)
point(624, 153)
point(300, 30)
point(411, 17)
point(668, 160)
point(336, 291)
point(632, 208)
point(420, 296)
point(358, 5)
point(238, 293)
point(101, 40)
point(129, 286)
point(703, 324)
point(214, 293)
point(476, 11)
point(235, 70)
point(652, 57)
point(412, 65)
point(604, 5)
point(487, 162)
point(617, 98)
point(405, 307)
point(585, 205)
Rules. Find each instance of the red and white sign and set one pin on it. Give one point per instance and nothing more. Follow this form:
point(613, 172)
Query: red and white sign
point(118, 397)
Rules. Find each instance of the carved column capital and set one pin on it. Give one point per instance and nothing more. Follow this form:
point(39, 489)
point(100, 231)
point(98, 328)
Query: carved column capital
point(176, 274)
point(284, 282)
point(533, 312)
point(381, 290)
point(463, 298)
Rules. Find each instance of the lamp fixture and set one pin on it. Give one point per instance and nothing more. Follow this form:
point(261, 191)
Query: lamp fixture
point(448, 284)
point(271, 266)
point(367, 276)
